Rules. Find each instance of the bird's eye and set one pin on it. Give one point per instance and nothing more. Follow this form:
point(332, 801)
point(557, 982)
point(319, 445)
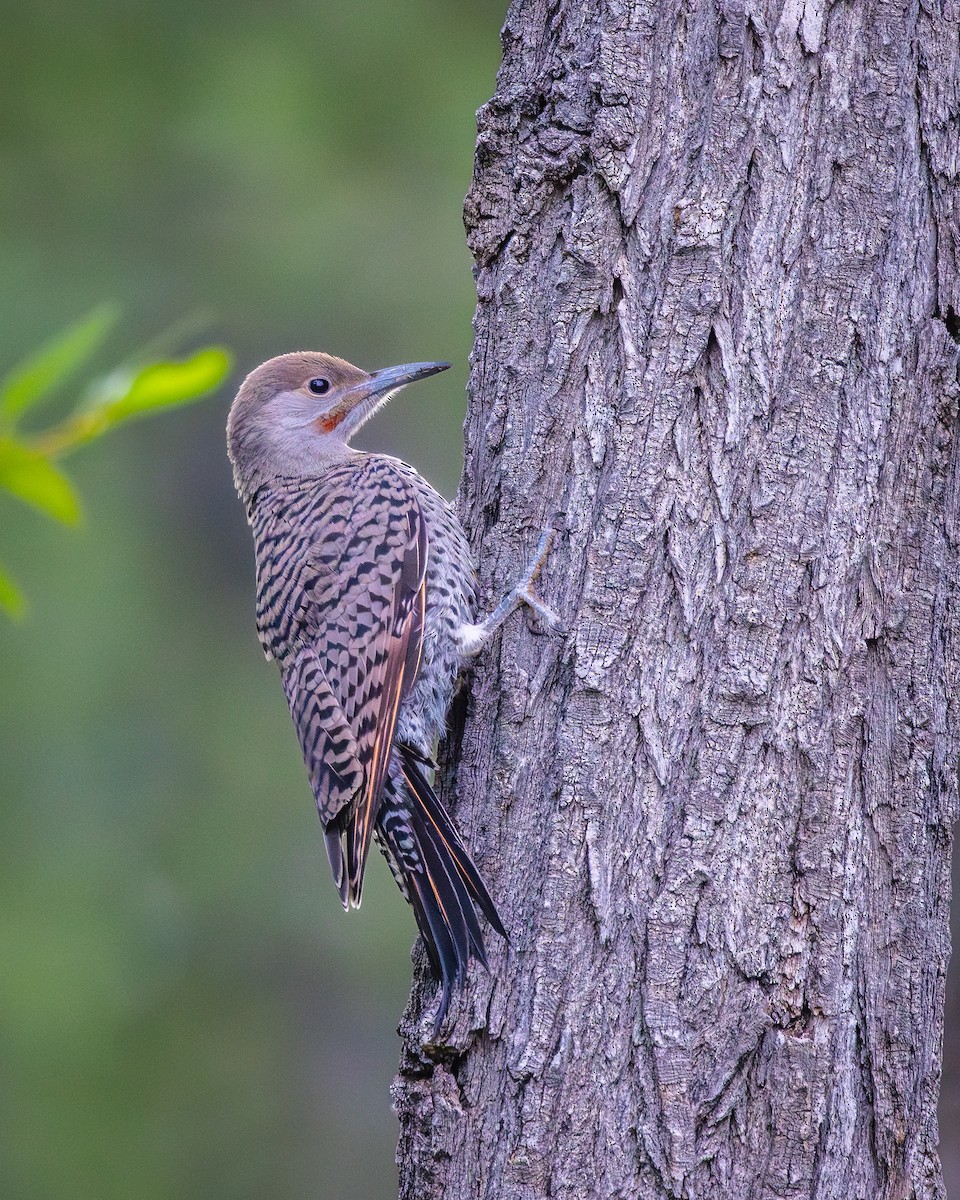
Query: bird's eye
point(319, 387)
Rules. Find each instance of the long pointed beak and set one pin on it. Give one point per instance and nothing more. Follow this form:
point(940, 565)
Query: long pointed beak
point(358, 404)
point(388, 379)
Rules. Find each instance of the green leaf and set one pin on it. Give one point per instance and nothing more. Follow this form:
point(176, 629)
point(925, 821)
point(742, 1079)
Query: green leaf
point(166, 384)
point(53, 363)
point(11, 598)
point(125, 394)
point(30, 476)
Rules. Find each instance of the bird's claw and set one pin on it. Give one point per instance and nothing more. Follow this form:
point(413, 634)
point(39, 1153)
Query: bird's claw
point(543, 553)
point(543, 611)
point(524, 589)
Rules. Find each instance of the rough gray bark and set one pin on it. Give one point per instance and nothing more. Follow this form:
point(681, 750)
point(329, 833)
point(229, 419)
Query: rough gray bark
point(717, 252)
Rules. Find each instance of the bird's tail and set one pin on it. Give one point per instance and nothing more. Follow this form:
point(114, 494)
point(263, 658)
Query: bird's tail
point(437, 876)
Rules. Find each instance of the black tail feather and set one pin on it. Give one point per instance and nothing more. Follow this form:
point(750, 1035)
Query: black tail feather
point(437, 876)
point(452, 892)
point(437, 940)
point(454, 902)
point(438, 816)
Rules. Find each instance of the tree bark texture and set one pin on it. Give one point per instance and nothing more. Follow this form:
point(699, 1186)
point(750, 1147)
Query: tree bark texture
point(716, 341)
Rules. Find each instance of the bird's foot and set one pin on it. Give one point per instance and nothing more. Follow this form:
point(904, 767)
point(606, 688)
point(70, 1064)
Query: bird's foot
point(472, 638)
point(524, 592)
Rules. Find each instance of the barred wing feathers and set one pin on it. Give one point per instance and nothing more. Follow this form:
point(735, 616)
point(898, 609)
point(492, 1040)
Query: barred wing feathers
point(346, 564)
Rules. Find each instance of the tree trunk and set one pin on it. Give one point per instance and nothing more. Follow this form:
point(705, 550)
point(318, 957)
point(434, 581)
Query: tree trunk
point(717, 255)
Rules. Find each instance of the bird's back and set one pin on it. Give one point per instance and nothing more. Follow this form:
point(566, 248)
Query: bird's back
point(327, 549)
point(363, 577)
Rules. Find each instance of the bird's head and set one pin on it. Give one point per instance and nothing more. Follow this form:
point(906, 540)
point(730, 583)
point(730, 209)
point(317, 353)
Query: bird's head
point(295, 414)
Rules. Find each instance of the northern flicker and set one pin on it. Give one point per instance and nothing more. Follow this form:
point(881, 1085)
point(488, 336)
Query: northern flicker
point(365, 599)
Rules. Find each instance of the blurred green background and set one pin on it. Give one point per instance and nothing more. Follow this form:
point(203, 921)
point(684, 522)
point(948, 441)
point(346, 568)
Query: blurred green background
point(184, 1008)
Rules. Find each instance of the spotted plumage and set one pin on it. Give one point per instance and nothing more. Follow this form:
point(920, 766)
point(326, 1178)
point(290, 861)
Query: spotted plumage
point(365, 596)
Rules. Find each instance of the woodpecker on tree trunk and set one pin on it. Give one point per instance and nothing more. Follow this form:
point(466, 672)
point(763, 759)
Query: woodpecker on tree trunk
point(365, 599)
